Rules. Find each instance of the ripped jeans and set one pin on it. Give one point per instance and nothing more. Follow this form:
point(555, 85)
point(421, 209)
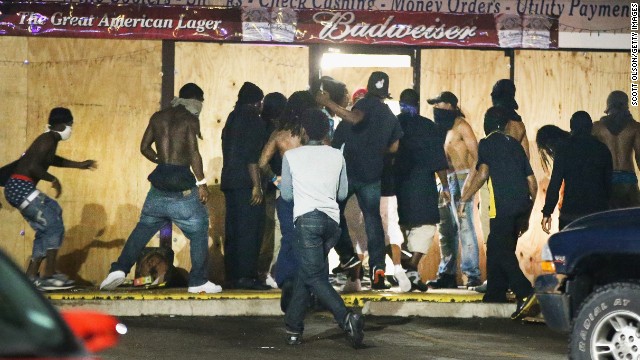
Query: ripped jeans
point(44, 215)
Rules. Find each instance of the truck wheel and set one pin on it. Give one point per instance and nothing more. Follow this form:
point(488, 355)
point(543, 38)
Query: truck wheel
point(608, 324)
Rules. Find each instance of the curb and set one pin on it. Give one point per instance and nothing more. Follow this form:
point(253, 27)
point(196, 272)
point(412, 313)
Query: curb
point(448, 303)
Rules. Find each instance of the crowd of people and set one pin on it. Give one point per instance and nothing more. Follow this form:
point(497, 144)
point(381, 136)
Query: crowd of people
point(412, 177)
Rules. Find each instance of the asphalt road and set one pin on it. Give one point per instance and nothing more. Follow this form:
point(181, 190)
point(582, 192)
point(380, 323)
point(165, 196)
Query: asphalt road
point(230, 338)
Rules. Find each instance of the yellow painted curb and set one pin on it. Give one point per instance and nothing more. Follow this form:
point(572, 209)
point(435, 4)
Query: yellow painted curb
point(354, 299)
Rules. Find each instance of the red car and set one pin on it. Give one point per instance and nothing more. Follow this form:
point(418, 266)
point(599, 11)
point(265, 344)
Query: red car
point(31, 328)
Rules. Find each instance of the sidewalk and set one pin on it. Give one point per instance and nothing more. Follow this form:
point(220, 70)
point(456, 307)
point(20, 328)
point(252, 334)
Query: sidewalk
point(135, 302)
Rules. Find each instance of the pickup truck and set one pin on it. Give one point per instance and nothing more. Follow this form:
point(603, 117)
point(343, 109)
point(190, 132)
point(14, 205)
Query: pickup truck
point(590, 285)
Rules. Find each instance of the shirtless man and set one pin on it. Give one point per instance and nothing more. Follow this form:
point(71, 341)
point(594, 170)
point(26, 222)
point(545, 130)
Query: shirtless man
point(621, 133)
point(175, 194)
point(285, 137)
point(461, 149)
point(503, 94)
point(40, 211)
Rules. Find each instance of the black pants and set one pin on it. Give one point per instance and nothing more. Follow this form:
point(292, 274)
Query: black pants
point(503, 270)
point(243, 234)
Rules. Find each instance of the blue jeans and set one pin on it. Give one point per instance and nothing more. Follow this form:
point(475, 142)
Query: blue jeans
point(287, 264)
point(316, 234)
point(369, 201)
point(44, 215)
point(450, 234)
point(187, 212)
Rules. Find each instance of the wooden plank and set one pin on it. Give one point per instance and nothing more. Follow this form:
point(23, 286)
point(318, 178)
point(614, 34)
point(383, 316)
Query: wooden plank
point(112, 87)
point(470, 75)
point(220, 70)
point(13, 112)
point(552, 85)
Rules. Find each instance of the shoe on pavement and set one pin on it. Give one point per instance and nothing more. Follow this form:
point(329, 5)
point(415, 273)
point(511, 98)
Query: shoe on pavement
point(354, 261)
point(352, 286)
point(416, 282)
point(293, 338)
point(403, 280)
point(481, 289)
point(207, 288)
point(251, 284)
point(378, 279)
point(526, 307)
point(472, 283)
point(354, 328)
point(113, 280)
point(271, 282)
point(444, 281)
point(55, 283)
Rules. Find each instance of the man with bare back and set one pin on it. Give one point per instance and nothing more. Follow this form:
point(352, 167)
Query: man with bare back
point(286, 136)
point(621, 133)
point(461, 149)
point(176, 194)
point(40, 211)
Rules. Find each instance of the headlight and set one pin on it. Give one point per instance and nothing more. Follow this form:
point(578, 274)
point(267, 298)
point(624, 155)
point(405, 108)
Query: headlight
point(547, 264)
point(546, 253)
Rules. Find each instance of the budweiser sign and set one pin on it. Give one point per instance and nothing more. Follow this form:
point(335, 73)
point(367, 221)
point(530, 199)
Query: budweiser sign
point(383, 27)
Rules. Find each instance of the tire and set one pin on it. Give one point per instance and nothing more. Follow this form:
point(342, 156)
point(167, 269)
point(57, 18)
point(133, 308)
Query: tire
point(608, 324)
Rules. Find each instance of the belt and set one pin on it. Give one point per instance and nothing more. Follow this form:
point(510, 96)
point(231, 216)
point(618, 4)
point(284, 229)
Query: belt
point(29, 199)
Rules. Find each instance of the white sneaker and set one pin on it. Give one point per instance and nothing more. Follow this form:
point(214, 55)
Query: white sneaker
point(113, 280)
point(352, 286)
point(271, 282)
point(207, 288)
point(403, 280)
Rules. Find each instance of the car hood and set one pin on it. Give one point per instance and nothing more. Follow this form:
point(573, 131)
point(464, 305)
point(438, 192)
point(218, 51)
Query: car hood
point(608, 219)
point(606, 233)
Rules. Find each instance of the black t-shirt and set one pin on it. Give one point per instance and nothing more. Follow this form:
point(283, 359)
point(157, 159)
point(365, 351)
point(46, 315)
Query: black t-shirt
point(585, 165)
point(366, 143)
point(420, 155)
point(508, 172)
point(243, 137)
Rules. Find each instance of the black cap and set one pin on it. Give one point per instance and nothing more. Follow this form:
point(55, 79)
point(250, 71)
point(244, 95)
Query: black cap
point(60, 115)
point(378, 85)
point(445, 97)
point(249, 93)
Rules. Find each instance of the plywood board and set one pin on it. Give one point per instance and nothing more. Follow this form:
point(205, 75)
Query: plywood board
point(112, 88)
point(221, 69)
point(551, 86)
point(470, 75)
point(13, 113)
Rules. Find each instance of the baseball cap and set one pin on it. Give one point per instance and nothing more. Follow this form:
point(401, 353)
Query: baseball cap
point(445, 97)
point(378, 84)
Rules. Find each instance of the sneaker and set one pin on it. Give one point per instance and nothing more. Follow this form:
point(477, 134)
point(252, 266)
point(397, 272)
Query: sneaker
point(481, 289)
point(55, 283)
point(403, 280)
point(271, 282)
point(444, 281)
point(348, 265)
point(416, 282)
point(207, 288)
point(352, 286)
point(113, 280)
point(526, 307)
point(472, 283)
point(377, 280)
point(293, 338)
point(354, 328)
